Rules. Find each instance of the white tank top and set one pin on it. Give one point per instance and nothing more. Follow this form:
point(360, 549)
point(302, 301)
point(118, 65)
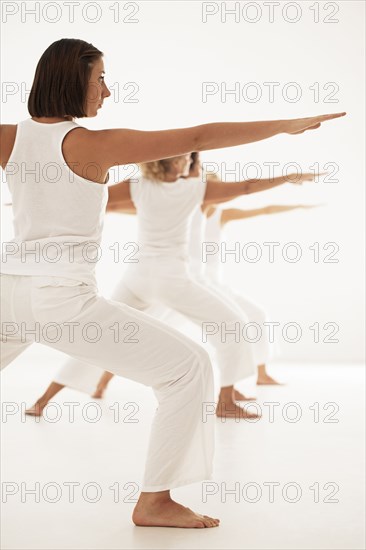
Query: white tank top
point(198, 222)
point(58, 215)
point(164, 212)
point(213, 234)
point(205, 236)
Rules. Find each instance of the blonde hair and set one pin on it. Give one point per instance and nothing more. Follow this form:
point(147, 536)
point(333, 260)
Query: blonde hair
point(157, 169)
point(212, 176)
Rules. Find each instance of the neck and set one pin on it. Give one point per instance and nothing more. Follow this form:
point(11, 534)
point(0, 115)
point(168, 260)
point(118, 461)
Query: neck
point(170, 178)
point(52, 120)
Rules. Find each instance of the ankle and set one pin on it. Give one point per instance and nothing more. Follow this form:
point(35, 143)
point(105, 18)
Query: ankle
point(226, 393)
point(261, 369)
point(154, 498)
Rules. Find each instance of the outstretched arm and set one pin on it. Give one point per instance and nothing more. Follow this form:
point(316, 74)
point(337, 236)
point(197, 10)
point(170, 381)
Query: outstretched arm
point(218, 191)
point(233, 214)
point(122, 146)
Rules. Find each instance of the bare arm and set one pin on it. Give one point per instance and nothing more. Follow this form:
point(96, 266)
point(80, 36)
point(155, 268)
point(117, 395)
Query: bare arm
point(122, 209)
point(233, 214)
point(123, 146)
point(218, 191)
point(119, 198)
point(7, 138)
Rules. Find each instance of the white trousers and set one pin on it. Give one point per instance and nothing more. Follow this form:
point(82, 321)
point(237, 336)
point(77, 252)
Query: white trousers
point(166, 281)
point(257, 316)
point(71, 317)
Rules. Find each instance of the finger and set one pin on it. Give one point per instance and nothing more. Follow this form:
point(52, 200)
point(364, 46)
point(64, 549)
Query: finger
point(310, 175)
point(331, 116)
point(322, 118)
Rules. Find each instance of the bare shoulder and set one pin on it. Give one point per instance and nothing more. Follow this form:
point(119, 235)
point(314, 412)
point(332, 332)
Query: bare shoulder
point(7, 139)
point(89, 136)
point(83, 141)
point(80, 143)
point(81, 149)
point(79, 135)
point(92, 146)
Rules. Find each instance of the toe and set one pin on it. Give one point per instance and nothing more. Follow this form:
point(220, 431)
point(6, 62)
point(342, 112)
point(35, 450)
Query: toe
point(200, 525)
point(212, 522)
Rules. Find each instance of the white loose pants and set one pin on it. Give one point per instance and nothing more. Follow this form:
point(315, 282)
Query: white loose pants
point(256, 315)
point(166, 281)
point(71, 317)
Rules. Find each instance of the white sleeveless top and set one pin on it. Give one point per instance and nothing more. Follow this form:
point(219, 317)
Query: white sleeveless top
point(58, 215)
point(206, 237)
point(164, 212)
point(196, 237)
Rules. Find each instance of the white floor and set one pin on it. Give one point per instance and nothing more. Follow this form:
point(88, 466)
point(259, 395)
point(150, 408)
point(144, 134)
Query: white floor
point(290, 456)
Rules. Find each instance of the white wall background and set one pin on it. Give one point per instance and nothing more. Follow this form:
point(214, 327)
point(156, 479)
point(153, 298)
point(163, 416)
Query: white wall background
point(169, 52)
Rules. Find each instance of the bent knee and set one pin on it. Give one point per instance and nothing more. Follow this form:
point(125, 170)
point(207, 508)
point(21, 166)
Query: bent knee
point(200, 366)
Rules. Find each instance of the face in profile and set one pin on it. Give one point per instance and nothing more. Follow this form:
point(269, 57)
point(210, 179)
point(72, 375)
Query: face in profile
point(97, 89)
point(182, 165)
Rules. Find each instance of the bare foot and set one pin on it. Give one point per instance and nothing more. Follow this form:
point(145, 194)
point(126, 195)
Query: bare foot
point(226, 409)
point(237, 396)
point(37, 409)
point(168, 513)
point(102, 385)
point(265, 380)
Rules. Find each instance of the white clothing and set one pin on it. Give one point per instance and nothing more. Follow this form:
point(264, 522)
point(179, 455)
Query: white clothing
point(65, 312)
point(85, 377)
point(58, 215)
point(161, 275)
point(164, 211)
point(196, 238)
point(75, 320)
point(212, 240)
point(207, 231)
point(256, 315)
point(204, 245)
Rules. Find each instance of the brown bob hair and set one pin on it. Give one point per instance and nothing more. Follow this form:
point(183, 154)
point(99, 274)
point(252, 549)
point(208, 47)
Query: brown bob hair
point(61, 80)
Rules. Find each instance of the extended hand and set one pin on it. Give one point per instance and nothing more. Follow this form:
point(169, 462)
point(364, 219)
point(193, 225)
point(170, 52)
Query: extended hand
point(298, 179)
point(306, 206)
point(300, 125)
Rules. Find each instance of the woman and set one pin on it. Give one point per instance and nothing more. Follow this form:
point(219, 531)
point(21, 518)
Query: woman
point(207, 227)
point(165, 200)
point(48, 275)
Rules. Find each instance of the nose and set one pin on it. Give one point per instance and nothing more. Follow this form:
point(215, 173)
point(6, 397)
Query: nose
point(106, 92)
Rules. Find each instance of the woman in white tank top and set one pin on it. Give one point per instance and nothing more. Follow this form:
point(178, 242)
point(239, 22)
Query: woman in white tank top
point(165, 201)
point(206, 231)
point(56, 171)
